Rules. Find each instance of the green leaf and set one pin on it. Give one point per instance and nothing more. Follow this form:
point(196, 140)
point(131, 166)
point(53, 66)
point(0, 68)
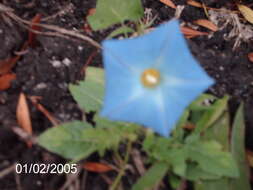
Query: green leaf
point(219, 131)
point(109, 12)
point(211, 158)
point(174, 181)
point(178, 132)
point(67, 140)
point(89, 93)
point(198, 103)
point(152, 177)
point(210, 116)
point(238, 151)
point(195, 173)
point(120, 30)
point(212, 184)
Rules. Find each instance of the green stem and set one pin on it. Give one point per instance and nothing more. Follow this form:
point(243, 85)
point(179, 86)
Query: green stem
point(122, 168)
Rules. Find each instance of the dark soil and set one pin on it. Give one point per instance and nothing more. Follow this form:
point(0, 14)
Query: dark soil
point(47, 69)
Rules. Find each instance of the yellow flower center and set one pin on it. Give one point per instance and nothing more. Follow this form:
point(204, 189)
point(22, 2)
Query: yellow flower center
point(150, 78)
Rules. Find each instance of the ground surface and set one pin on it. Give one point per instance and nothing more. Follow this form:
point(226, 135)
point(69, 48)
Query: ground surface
point(47, 69)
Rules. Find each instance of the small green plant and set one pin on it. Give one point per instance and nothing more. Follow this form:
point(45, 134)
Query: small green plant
point(204, 155)
point(199, 148)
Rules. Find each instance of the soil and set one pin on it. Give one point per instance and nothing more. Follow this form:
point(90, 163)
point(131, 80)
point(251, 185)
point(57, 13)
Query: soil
point(48, 68)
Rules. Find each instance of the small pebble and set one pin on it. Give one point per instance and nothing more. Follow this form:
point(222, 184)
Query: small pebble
point(221, 68)
point(80, 48)
point(41, 86)
point(39, 183)
point(56, 63)
point(66, 61)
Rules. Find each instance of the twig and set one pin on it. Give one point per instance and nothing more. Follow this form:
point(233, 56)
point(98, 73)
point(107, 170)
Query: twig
point(41, 108)
point(70, 179)
point(18, 183)
point(83, 182)
point(63, 11)
point(88, 62)
point(7, 171)
point(4, 8)
point(123, 167)
point(61, 31)
point(138, 162)
point(24, 135)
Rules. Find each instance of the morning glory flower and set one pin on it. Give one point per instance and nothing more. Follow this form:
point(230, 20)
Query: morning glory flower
point(151, 79)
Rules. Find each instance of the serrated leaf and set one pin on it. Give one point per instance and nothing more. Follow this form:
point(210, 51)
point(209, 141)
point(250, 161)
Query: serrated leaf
point(211, 158)
point(109, 12)
point(120, 30)
point(238, 151)
point(246, 12)
point(67, 140)
point(103, 139)
point(89, 93)
point(153, 176)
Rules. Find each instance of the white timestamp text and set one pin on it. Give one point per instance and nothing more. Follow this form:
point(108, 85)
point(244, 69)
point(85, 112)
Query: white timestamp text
point(46, 168)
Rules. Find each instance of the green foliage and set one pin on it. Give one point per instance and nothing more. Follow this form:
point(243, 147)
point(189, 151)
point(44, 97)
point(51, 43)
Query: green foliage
point(67, 140)
point(212, 159)
point(238, 151)
point(77, 140)
point(194, 159)
point(121, 30)
point(201, 154)
point(154, 175)
point(89, 94)
point(109, 12)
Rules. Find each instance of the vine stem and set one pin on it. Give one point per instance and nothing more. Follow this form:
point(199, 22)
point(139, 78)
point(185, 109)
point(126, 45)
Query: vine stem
point(122, 168)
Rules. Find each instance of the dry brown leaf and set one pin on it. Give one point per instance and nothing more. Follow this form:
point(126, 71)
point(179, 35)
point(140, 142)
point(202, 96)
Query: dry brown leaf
point(23, 115)
point(189, 126)
point(7, 64)
point(5, 81)
point(194, 3)
point(250, 157)
point(31, 35)
point(169, 3)
point(97, 167)
point(207, 24)
point(91, 11)
point(246, 12)
point(190, 33)
point(250, 56)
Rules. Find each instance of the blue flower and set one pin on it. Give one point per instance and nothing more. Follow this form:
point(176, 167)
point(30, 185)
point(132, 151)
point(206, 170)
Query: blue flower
point(151, 79)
